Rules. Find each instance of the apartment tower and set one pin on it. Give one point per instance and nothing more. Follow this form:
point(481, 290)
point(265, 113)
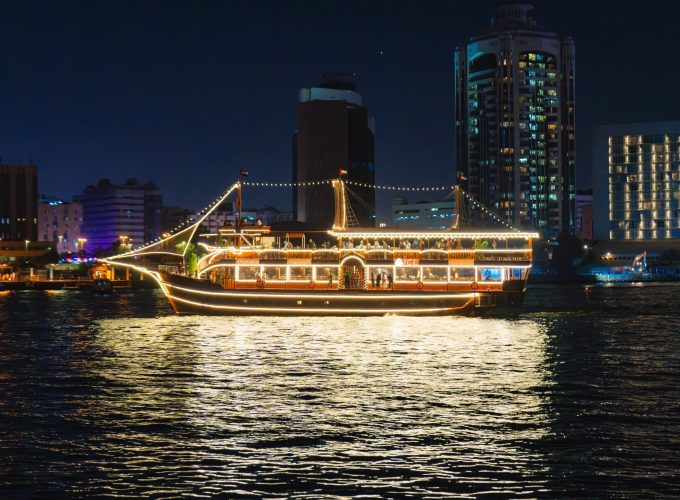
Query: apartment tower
point(515, 121)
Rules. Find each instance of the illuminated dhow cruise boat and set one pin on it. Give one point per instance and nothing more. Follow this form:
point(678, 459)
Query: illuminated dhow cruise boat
point(347, 270)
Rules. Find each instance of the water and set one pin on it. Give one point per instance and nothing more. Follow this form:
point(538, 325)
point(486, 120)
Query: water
point(116, 396)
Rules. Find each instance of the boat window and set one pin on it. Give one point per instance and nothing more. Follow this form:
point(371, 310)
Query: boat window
point(434, 273)
point(490, 274)
point(274, 272)
point(248, 272)
point(300, 273)
point(408, 273)
point(516, 273)
point(462, 273)
point(322, 273)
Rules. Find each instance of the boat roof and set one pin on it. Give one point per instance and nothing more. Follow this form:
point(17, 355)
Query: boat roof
point(387, 232)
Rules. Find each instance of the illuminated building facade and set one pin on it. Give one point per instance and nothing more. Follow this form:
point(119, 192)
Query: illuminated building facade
point(423, 214)
point(59, 222)
point(333, 132)
point(515, 121)
point(636, 170)
point(18, 202)
point(131, 210)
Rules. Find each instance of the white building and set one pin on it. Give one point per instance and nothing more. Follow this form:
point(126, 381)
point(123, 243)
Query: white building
point(423, 214)
point(59, 222)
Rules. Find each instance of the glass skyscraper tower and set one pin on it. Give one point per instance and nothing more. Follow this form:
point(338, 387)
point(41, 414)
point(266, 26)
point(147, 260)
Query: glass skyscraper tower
point(515, 121)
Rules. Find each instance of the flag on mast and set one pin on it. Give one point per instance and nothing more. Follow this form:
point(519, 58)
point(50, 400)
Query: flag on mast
point(341, 172)
point(243, 173)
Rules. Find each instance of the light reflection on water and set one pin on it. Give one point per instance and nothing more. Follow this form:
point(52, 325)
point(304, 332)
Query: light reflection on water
point(336, 400)
point(565, 397)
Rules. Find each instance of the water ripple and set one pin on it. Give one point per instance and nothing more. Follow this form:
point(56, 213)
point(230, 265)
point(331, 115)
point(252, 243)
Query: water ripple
point(116, 396)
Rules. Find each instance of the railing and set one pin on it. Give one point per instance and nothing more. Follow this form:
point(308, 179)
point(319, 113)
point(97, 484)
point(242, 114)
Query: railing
point(460, 257)
point(325, 256)
point(518, 257)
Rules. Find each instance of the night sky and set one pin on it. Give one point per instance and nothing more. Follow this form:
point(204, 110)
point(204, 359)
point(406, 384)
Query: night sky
point(187, 93)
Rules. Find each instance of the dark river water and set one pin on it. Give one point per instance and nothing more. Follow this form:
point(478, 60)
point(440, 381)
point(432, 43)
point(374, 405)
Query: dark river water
point(116, 396)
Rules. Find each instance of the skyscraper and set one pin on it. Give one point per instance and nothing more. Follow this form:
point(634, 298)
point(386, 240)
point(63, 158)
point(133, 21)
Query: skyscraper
point(334, 131)
point(515, 121)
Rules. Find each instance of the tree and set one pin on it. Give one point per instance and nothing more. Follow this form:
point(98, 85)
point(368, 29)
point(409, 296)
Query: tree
point(190, 257)
point(192, 263)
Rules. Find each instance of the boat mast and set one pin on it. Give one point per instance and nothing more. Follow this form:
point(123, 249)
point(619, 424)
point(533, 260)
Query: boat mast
point(458, 204)
point(237, 222)
point(340, 219)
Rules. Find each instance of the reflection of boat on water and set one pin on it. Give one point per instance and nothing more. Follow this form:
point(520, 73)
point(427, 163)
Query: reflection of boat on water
point(346, 270)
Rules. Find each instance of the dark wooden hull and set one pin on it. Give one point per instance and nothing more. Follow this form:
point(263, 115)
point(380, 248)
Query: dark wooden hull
point(193, 296)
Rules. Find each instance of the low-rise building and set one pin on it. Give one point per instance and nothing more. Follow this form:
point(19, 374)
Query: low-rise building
point(131, 211)
point(173, 217)
point(584, 214)
point(422, 214)
point(59, 222)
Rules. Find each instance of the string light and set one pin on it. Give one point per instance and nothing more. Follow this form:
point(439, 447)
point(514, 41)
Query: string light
point(474, 203)
point(185, 225)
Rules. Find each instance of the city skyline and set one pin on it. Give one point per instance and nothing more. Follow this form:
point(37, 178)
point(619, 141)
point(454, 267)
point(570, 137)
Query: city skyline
point(134, 90)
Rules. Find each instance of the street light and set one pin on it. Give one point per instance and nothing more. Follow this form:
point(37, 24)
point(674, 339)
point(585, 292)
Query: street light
point(26, 242)
point(125, 242)
point(81, 243)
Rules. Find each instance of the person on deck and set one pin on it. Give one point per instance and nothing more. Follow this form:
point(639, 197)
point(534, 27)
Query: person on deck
point(389, 281)
point(372, 279)
point(377, 280)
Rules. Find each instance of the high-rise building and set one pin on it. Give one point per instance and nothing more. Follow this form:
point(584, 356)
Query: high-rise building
point(515, 121)
point(131, 210)
point(18, 202)
point(59, 222)
point(334, 131)
point(636, 181)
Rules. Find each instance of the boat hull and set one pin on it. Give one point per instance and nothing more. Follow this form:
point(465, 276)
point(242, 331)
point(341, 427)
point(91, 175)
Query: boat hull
point(193, 296)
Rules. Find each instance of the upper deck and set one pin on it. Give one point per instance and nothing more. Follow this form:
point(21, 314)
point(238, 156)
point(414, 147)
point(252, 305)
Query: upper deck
point(406, 259)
